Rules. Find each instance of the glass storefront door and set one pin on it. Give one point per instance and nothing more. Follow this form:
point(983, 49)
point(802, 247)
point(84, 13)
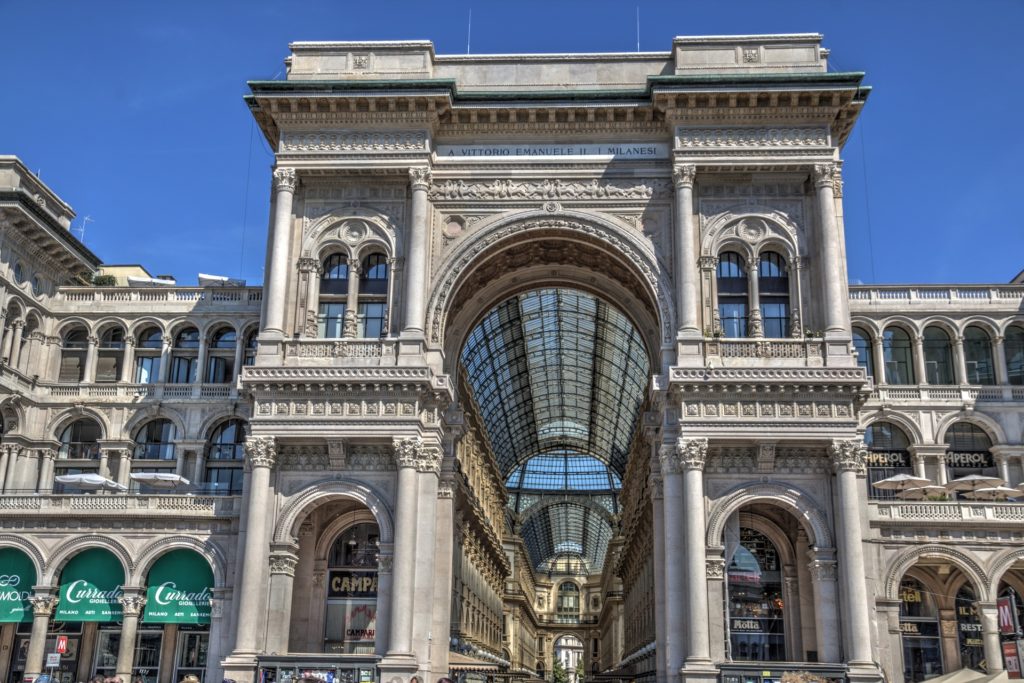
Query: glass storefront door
point(68, 661)
point(190, 654)
point(147, 654)
point(919, 625)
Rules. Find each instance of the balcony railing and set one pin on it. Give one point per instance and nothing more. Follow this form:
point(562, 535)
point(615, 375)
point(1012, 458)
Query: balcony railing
point(174, 506)
point(945, 512)
point(808, 352)
point(130, 392)
point(361, 351)
point(144, 297)
point(953, 393)
point(931, 295)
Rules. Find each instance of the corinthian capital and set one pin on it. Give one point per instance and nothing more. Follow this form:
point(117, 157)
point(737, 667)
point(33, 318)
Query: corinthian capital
point(283, 563)
point(412, 452)
point(692, 453)
point(848, 455)
point(419, 177)
point(284, 179)
point(43, 605)
point(132, 605)
point(261, 451)
point(683, 175)
point(823, 175)
point(308, 265)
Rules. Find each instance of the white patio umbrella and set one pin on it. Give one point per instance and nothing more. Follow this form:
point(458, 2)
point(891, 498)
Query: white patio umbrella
point(973, 482)
point(160, 480)
point(922, 492)
point(993, 493)
point(90, 482)
point(901, 482)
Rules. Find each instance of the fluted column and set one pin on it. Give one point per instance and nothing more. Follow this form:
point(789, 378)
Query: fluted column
point(352, 300)
point(989, 613)
point(416, 260)
point(128, 360)
point(833, 272)
point(275, 290)
point(822, 568)
point(131, 606)
point(279, 602)
point(674, 593)
point(43, 605)
point(692, 455)
point(848, 460)
point(260, 455)
point(687, 283)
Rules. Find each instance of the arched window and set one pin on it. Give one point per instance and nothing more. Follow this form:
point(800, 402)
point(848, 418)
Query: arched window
point(220, 364)
point(862, 345)
point(888, 455)
point(19, 273)
point(351, 623)
point(155, 440)
point(147, 355)
point(757, 623)
point(333, 297)
point(899, 363)
point(250, 348)
point(567, 607)
point(773, 293)
point(1014, 347)
point(110, 355)
point(919, 627)
point(225, 455)
point(185, 356)
point(938, 356)
point(732, 294)
point(72, 355)
point(335, 271)
point(78, 441)
point(978, 356)
point(969, 451)
point(373, 291)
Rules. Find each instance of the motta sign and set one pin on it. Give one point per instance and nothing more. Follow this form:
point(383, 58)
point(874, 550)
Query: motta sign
point(611, 150)
point(179, 590)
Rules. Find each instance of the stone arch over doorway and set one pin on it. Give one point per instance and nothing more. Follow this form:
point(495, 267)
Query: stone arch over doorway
point(301, 503)
point(967, 564)
point(791, 498)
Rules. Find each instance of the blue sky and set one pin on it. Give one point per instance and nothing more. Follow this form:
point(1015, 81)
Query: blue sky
point(133, 113)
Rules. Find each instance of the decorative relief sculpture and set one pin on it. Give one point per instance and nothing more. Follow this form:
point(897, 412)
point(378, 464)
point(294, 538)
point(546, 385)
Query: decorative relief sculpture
point(547, 189)
point(412, 452)
point(683, 175)
point(693, 453)
point(43, 605)
point(261, 451)
point(283, 563)
point(353, 141)
point(753, 137)
point(848, 455)
point(419, 177)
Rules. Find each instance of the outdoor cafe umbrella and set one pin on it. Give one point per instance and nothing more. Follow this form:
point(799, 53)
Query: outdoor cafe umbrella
point(922, 492)
point(90, 482)
point(160, 480)
point(973, 482)
point(993, 493)
point(901, 482)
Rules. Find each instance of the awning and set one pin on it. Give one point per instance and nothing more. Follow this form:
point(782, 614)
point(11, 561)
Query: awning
point(160, 480)
point(90, 482)
point(17, 576)
point(90, 587)
point(460, 662)
point(179, 589)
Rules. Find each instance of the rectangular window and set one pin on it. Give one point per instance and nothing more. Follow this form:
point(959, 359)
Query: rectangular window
point(182, 369)
point(71, 366)
point(220, 370)
point(224, 480)
point(147, 369)
point(331, 321)
point(371, 320)
point(108, 367)
point(775, 319)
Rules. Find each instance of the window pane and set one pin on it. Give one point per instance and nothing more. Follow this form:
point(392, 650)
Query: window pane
point(862, 344)
point(147, 369)
point(899, 365)
point(978, 356)
point(182, 369)
point(1014, 347)
point(775, 318)
point(331, 321)
point(938, 357)
point(371, 320)
point(734, 319)
point(220, 370)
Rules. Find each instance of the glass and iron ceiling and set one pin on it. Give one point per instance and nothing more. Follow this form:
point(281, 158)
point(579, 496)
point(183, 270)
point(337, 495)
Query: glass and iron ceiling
point(559, 377)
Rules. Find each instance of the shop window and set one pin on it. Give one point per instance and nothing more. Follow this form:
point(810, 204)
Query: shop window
point(351, 619)
point(938, 357)
point(754, 596)
point(969, 629)
point(898, 354)
point(888, 455)
point(969, 451)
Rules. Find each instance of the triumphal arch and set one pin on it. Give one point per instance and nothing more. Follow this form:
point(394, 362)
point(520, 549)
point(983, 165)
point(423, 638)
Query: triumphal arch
point(555, 375)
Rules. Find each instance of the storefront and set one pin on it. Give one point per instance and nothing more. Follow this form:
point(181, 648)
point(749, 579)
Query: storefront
point(17, 576)
point(756, 616)
point(174, 636)
point(351, 619)
point(969, 629)
point(919, 626)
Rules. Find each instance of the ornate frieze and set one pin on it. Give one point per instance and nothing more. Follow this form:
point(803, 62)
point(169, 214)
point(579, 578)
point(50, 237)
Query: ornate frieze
point(353, 142)
point(361, 408)
point(773, 408)
point(260, 451)
point(306, 458)
point(732, 138)
point(593, 189)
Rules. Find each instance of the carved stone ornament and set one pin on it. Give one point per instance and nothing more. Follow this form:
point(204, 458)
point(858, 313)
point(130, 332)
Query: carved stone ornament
point(683, 175)
point(716, 568)
point(822, 570)
point(261, 451)
point(308, 265)
point(285, 179)
point(419, 177)
point(708, 262)
point(545, 189)
point(824, 175)
point(848, 455)
point(132, 605)
point(693, 453)
point(43, 605)
point(384, 564)
point(414, 453)
point(668, 456)
point(283, 563)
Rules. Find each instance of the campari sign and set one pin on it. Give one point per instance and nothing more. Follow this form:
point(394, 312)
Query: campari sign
point(179, 589)
point(90, 588)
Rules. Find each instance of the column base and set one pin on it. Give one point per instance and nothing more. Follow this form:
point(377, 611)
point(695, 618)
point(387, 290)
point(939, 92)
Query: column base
point(240, 667)
point(397, 668)
point(863, 672)
point(698, 671)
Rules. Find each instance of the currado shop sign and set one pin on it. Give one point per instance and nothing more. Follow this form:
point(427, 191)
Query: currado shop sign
point(90, 586)
point(17, 576)
point(179, 590)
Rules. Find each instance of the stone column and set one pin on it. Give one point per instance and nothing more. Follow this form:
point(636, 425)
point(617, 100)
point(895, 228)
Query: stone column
point(10, 476)
point(275, 290)
point(822, 569)
point(989, 613)
point(352, 300)
point(124, 465)
point(442, 565)
point(46, 458)
point(833, 271)
point(165, 358)
point(878, 350)
point(674, 593)
point(385, 563)
point(416, 260)
point(279, 602)
point(311, 268)
point(199, 376)
point(132, 603)
point(848, 460)
point(687, 284)
point(89, 374)
point(5, 455)
point(796, 297)
point(260, 454)
point(128, 360)
point(999, 345)
point(658, 529)
point(692, 454)
point(919, 366)
point(15, 352)
point(959, 363)
point(715, 572)
point(43, 605)
point(3, 326)
point(755, 327)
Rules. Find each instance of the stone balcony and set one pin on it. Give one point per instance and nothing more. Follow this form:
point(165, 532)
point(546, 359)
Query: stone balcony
point(361, 352)
point(171, 507)
point(764, 352)
point(954, 394)
point(909, 298)
point(157, 300)
point(945, 513)
point(119, 392)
